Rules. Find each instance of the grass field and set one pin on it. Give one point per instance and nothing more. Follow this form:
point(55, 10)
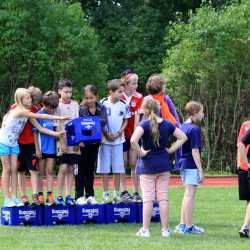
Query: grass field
point(218, 210)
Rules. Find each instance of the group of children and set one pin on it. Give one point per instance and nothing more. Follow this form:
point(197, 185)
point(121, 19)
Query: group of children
point(143, 133)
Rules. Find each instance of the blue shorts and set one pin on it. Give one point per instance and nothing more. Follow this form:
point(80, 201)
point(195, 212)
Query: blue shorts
point(190, 176)
point(7, 150)
point(110, 159)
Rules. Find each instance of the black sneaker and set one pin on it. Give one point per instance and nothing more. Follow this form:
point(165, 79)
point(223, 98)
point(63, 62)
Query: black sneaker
point(126, 197)
point(244, 231)
point(137, 198)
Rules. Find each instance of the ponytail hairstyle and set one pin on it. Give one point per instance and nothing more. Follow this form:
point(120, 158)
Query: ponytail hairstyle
point(193, 108)
point(151, 110)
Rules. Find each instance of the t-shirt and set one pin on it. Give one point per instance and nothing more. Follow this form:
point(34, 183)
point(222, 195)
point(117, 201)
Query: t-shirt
point(116, 113)
point(47, 143)
point(193, 133)
point(134, 103)
point(67, 109)
point(157, 160)
point(26, 137)
point(245, 127)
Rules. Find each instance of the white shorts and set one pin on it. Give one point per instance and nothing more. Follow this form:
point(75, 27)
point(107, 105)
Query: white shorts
point(110, 159)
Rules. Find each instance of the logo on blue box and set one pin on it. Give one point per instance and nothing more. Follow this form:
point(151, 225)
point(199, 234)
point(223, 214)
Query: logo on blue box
point(121, 212)
point(60, 214)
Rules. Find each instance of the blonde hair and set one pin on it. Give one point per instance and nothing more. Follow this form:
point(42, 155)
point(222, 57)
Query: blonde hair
point(193, 108)
point(18, 96)
point(151, 110)
point(36, 94)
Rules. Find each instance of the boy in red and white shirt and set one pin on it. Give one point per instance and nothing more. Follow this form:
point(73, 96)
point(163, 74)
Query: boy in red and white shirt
point(134, 101)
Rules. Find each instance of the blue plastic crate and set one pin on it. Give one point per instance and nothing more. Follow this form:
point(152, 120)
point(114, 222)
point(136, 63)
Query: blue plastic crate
point(120, 213)
point(59, 215)
point(155, 213)
point(21, 216)
point(84, 129)
point(90, 213)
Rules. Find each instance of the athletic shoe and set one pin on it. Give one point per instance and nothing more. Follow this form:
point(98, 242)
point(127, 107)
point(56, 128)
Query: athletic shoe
point(25, 200)
point(59, 200)
point(117, 198)
point(41, 199)
point(165, 232)
point(18, 203)
point(136, 197)
point(35, 201)
point(69, 200)
point(244, 232)
point(106, 199)
point(91, 200)
point(180, 229)
point(194, 230)
point(50, 201)
point(81, 201)
point(9, 203)
point(125, 197)
point(143, 233)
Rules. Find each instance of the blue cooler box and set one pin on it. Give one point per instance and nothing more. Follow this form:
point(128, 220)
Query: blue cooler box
point(59, 215)
point(90, 213)
point(155, 213)
point(21, 216)
point(120, 213)
point(84, 129)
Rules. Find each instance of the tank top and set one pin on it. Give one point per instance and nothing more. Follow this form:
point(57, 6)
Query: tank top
point(11, 129)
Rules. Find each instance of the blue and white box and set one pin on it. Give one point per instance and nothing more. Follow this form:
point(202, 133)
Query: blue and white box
point(84, 129)
point(58, 215)
point(21, 216)
point(90, 213)
point(155, 212)
point(120, 212)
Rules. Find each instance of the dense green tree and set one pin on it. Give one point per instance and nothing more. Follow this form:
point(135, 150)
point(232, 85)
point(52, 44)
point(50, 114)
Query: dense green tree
point(210, 62)
point(44, 40)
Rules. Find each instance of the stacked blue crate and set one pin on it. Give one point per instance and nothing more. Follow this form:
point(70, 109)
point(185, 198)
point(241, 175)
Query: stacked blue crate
point(20, 216)
point(155, 212)
point(120, 213)
point(90, 213)
point(58, 215)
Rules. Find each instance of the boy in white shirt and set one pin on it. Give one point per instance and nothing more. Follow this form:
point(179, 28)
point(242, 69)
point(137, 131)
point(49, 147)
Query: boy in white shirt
point(110, 157)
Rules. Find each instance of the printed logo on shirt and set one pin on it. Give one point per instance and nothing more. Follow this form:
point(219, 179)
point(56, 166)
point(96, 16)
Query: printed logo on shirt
point(121, 113)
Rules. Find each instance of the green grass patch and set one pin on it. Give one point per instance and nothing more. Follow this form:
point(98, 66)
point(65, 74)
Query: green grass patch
point(218, 211)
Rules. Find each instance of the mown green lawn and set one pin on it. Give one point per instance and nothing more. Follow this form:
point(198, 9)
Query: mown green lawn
point(218, 210)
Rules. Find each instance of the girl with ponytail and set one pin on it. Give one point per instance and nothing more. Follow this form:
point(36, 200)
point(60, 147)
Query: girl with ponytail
point(154, 165)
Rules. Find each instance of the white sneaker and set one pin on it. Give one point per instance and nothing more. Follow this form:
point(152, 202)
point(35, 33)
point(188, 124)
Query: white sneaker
point(91, 200)
point(165, 232)
point(81, 201)
point(143, 233)
point(106, 199)
point(18, 202)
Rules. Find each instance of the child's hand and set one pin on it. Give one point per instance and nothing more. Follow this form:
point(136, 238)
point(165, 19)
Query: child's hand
point(38, 154)
point(76, 148)
point(109, 136)
point(64, 148)
point(201, 176)
point(143, 152)
point(81, 145)
point(60, 133)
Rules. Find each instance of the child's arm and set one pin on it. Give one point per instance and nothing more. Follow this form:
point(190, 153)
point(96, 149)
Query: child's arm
point(197, 159)
point(45, 130)
point(139, 131)
point(121, 130)
point(29, 114)
point(38, 150)
point(181, 138)
point(242, 153)
point(62, 140)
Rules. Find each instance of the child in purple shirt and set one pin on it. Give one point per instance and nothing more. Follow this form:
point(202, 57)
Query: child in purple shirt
point(191, 167)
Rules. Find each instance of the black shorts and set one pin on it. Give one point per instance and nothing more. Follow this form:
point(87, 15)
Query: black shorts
point(244, 185)
point(70, 159)
point(27, 158)
point(47, 156)
point(126, 145)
